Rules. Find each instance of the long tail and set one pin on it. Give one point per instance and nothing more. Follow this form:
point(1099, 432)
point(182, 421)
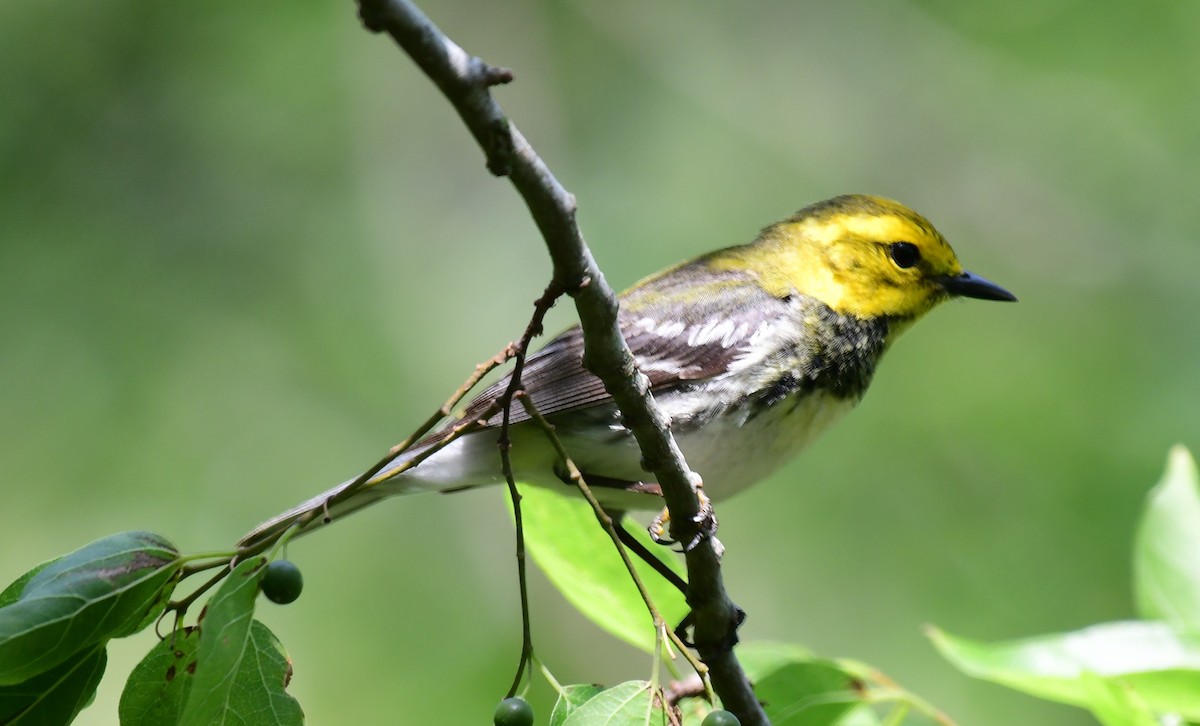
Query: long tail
point(323, 509)
point(319, 511)
point(468, 462)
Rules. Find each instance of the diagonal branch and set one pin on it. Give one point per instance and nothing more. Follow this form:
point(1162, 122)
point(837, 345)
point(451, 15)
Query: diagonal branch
point(465, 81)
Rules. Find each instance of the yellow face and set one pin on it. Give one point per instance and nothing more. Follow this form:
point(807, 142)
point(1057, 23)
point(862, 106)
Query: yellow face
point(862, 256)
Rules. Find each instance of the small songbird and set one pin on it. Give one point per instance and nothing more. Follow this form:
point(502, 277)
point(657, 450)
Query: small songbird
point(751, 352)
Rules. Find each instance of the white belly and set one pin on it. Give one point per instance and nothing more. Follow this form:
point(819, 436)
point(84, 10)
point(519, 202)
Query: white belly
point(729, 455)
point(730, 458)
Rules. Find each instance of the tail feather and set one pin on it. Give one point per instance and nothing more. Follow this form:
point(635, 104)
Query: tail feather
point(450, 469)
point(466, 463)
point(320, 510)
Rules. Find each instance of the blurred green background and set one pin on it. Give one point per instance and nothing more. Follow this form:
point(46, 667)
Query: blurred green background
point(245, 247)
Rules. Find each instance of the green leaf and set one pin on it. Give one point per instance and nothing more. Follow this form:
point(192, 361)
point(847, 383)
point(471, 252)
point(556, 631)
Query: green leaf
point(1167, 553)
point(158, 686)
point(104, 590)
point(843, 692)
point(626, 704)
point(55, 696)
point(862, 715)
point(799, 688)
point(1150, 659)
point(564, 538)
point(762, 658)
point(796, 687)
point(1115, 704)
point(241, 671)
point(814, 693)
point(569, 701)
point(266, 677)
point(224, 634)
point(12, 593)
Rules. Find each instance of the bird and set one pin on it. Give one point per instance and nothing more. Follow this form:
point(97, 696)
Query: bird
point(750, 351)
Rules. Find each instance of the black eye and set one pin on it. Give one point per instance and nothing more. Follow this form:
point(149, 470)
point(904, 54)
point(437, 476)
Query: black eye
point(904, 254)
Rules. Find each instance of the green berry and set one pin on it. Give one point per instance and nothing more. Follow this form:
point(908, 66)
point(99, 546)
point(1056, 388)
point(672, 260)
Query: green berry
point(513, 712)
point(282, 583)
point(720, 718)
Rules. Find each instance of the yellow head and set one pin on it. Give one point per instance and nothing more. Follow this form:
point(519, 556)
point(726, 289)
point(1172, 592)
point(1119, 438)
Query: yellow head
point(862, 256)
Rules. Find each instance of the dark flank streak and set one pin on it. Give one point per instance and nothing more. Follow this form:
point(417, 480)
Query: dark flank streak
point(839, 358)
point(783, 387)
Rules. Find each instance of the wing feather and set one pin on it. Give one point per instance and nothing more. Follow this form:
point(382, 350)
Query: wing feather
point(683, 343)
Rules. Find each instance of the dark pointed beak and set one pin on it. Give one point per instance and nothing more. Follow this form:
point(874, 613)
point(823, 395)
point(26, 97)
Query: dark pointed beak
point(971, 285)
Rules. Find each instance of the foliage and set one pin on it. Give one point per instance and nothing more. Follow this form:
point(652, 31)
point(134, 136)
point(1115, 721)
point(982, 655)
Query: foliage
point(56, 619)
point(564, 539)
point(172, 302)
point(1137, 672)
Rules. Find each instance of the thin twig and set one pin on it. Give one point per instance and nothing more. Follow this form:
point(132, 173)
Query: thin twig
point(181, 606)
point(251, 546)
point(891, 690)
point(648, 557)
point(691, 687)
point(257, 542)
point(188, 570)
point(459, 429)
point(466, 81)
point(481, 370)
point(610, 528)
point(541, 306)
point(522, 581)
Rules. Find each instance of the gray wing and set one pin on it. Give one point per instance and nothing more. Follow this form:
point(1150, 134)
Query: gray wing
point(695, 342)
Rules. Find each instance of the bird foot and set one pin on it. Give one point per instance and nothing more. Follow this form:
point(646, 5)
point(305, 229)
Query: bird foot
point(705, 521)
